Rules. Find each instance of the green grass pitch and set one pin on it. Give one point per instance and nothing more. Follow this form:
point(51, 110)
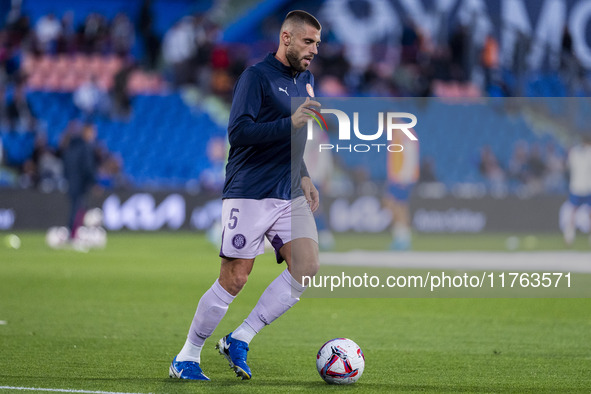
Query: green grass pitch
point(112, 320)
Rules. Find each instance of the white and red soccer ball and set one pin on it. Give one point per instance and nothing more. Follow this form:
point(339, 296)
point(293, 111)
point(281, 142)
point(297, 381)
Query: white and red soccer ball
point(340, 361)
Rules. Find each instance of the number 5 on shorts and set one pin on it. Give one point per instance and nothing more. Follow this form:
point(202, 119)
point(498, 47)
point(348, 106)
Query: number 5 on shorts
point(233, 219)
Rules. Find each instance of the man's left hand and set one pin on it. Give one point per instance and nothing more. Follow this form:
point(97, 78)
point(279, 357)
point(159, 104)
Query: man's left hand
point(311, 193)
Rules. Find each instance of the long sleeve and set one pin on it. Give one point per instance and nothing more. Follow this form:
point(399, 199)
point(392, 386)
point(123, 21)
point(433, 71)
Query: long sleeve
point(304, 170)
point(243, 130)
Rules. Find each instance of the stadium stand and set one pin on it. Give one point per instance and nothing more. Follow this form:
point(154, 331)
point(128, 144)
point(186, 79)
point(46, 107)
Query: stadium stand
point(162, 138)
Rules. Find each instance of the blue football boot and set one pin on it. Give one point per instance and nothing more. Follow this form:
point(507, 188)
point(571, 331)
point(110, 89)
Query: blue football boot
point(235, 352)
point(400, 244)
point(186, 370)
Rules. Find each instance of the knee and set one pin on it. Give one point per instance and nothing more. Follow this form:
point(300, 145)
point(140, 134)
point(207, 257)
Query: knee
point(307, 268)
point(234, 282)
point(310, 261)
point(234, 274)
point(237, 282)
point(312, 267)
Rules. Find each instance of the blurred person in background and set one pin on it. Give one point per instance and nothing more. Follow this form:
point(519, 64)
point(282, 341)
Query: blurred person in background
point(90, 99)
point(554, 181)
point(6, 176)
point(95, 34)
point(150, 40)
point(120, 95)
point(43, 169)
point(537, 169)
point(66, 42)
point(110, 175)
point(410, 42)
point(19, 110)
point(20, 135)
point(571, 69)
point(212, 177)
point(459, 45)
point(47, 32)
point(11, 53)
point(490, 168)
point(122, 35)
point(18, 148)
point(522, 48)
point(428, 174)
point(403, 169)
point(579, 166)
point(3, 109)
point(179, 49)
point(517, 169)
point(49, 167)
point(490, 60)
point(80, 172)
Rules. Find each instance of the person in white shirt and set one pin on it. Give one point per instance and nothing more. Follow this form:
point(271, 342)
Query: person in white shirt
point(579, 165)
point(47, 31)
point(88, 97)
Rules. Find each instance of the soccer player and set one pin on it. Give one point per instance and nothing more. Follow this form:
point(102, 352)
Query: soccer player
point(80, 170)
point(267, 192)
point(579, 165)
point(402, 172)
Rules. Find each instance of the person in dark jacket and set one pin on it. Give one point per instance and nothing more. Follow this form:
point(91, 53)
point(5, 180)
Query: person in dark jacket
point(80, 172)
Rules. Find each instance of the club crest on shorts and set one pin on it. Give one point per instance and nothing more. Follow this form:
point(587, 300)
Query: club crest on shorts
point(239, 241)
point(310, 90)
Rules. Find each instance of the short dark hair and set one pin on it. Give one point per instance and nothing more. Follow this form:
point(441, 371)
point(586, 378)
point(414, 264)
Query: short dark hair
point(299, 16)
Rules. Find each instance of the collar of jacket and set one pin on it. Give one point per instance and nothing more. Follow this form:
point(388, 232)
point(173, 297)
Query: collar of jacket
point(273, 61)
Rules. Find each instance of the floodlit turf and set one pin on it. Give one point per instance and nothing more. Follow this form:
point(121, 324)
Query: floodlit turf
point(474, 242)
point(112, 320)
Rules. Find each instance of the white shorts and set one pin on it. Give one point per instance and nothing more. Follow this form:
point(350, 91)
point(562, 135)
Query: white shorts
point(245, 222)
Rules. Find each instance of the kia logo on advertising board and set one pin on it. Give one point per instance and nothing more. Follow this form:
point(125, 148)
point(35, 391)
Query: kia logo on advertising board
point(140, 212)
point(6, 219)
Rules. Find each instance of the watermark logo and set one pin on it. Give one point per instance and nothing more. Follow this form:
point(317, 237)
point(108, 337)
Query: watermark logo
point(389, 122)
point(315, 117)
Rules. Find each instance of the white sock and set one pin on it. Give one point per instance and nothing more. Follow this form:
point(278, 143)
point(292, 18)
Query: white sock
point(244, 333)
point(401, 233)
point(210, 310)
point(190, 352)
point(283, 293)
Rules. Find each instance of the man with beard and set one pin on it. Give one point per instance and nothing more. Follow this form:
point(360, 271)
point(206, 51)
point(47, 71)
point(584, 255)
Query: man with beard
point(267, 193)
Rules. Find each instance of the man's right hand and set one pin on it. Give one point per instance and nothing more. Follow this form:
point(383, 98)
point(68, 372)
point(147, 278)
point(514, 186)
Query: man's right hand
point(302, 114)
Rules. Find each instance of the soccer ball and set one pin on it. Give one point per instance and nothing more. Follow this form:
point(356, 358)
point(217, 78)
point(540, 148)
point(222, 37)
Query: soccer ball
point(57, 237)
point(91, 237)
point(93, 217)
point(340, 361)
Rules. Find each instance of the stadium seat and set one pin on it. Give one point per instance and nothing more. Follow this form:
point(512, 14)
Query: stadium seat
point(160, 145)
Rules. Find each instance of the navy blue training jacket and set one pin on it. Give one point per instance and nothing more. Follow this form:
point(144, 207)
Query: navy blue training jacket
point(263, 161)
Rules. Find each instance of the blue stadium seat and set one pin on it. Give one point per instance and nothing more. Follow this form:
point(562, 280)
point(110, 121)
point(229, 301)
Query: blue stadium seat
point(158, 145)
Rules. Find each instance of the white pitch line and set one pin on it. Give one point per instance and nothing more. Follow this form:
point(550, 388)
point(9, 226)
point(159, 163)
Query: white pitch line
point(566, 261)
point(61, 390)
